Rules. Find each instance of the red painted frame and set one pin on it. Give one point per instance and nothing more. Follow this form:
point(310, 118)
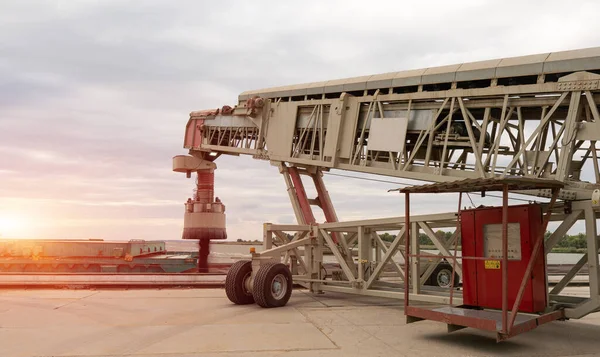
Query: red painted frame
point(509, 328)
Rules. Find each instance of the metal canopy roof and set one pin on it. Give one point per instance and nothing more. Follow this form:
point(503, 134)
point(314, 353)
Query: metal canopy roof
point(543, 63)
point(485, 184)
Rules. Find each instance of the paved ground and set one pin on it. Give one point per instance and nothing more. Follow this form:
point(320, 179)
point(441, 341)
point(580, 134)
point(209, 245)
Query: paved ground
point(202, 322)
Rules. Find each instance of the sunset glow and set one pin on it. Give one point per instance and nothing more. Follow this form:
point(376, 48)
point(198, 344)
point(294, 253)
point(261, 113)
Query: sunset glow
point(12, 225)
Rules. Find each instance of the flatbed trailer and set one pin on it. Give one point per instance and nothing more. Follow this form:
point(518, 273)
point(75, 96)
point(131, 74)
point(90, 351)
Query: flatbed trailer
point(92, 256)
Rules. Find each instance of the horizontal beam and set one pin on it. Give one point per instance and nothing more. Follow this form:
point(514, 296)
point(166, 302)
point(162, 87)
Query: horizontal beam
point(285, 247)
point(289, 227)
point(398, 294)
point(389, 222)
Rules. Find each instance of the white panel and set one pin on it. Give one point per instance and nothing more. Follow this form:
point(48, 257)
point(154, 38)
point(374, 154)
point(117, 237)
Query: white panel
point(281, 129)
point(420, 119)
point(492, 234)
point(387, 134)
point(231, 121)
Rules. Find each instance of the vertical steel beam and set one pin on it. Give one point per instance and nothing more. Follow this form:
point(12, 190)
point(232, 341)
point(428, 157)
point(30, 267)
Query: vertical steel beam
point(325, 202)
point(362, 246)
point(416, 281)
point(292, 194)
point(534, 254)
point(406, 248)
point(472, 140)
point(455, 249)
point(591, 232)
point(504, 258)
point(496, 146)
point(444, 149)
point(568, 139)
point(267, 236)
point(301, 195)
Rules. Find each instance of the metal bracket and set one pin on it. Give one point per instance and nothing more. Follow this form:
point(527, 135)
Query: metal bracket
point(565, 195)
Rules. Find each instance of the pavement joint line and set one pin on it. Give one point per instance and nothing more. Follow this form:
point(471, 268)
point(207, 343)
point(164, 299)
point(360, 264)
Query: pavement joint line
point(76, 300)
point(351, 323)
point(312, 296)
point(318, 328)
point(359, 326)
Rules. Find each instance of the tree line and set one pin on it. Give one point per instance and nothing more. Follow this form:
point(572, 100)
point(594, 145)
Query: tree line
point(575, 243)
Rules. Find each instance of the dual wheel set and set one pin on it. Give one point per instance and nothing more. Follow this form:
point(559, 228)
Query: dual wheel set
point(272, 285)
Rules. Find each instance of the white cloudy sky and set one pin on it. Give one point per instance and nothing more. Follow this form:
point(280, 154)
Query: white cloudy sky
point(94, 96)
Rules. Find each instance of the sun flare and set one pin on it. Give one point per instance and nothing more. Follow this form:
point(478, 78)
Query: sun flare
point(12, 225)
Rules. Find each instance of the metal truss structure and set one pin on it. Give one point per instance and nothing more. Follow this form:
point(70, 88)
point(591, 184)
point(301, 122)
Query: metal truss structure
point(534, 116)
point(380, 266)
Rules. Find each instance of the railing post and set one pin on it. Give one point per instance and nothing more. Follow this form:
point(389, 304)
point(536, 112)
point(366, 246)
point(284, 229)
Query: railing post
point(267, 236)
point(536, 250)
point(406, 248)
point(455, 249)
point(414, 241)
point(504, 258)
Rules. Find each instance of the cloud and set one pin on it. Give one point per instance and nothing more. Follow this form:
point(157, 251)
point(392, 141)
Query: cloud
point(94, 96)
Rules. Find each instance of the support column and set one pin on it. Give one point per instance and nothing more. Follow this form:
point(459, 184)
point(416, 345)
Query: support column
point(504, 265)
point(568, 139)
point(416, 249)
point(406, 248)
point(267, 236)
point(301, 196)
point(325, 202)
point(591, 232)
point(363, 245)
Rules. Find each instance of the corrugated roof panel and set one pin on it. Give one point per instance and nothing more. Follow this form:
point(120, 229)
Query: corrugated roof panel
point(408, 78)
point(521, 66)
point(484, 184)
point(334, 85)
point(383, 80)
point(315, 88)
point(477, 70)
point(356, 83)
point(566, 61)
point(576, 60)
point(443, 74)
point(293, 91)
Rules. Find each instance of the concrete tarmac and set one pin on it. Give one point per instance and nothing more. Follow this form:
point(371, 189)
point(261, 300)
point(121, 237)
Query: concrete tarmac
point(202, 322)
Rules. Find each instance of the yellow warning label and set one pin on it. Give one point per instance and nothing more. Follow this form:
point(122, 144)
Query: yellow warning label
point(492, 264)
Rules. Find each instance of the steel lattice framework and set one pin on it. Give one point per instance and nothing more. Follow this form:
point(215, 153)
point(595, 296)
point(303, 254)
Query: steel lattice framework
point(533, 116)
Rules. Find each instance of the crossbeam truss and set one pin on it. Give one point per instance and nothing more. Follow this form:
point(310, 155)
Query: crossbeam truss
point(542, 130)
point(376, 267)
point(541, 126)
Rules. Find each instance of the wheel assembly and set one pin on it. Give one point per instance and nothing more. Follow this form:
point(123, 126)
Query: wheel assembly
point(442, 277)
point(236, 283)
point(272, 285)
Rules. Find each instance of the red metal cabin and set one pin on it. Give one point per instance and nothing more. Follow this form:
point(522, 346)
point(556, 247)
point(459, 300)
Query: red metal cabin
point(481, 231)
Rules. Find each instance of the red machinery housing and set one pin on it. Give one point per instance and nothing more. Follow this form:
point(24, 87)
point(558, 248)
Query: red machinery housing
point(481, 231)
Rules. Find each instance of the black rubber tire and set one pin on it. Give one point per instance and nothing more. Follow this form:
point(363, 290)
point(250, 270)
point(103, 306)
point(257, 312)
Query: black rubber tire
point(447, 269)
point(263, 281)
point(235, 287)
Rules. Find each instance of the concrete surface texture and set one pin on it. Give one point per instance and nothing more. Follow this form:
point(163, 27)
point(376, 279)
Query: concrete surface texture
point(202, 322)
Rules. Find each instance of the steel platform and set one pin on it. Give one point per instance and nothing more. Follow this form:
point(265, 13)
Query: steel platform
point(489, 320)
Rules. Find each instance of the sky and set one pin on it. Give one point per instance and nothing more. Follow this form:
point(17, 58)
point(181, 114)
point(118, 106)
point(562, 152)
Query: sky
point(95, 95)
